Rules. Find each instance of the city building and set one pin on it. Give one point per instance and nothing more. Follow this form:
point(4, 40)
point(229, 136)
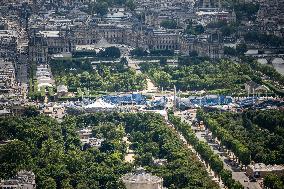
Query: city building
point(259, 170)
point(253, 88)
point(86, 138)
point(8, 43)
point(44, 76)
point(23, 180)
point(7, 77)
point(163, 40)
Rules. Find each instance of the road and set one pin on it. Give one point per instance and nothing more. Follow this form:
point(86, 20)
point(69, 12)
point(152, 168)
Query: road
point(237, 174)
point(135, 65)
point(129, 157)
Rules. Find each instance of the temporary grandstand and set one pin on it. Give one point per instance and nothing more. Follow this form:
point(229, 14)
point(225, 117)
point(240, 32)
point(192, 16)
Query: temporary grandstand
point(157, 104)
point(208, 100)
point(248, 102)
point(127, 99)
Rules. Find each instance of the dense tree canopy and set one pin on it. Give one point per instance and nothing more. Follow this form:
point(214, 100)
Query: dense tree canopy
point(169, 24)
point(246, 11)
point(194, 29)
point(80, 76)
point(269, 40)
point(53, 151)
point(199, 75)
point(255, 133)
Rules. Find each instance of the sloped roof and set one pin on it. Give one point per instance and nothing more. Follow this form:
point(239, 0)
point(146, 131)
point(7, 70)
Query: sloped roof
point(102, 43)
point(100, 103)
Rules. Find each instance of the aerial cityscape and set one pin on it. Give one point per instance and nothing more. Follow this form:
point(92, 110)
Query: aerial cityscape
point(142, 94)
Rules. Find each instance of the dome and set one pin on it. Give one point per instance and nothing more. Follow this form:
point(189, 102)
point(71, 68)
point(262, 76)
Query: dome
point(141, 179)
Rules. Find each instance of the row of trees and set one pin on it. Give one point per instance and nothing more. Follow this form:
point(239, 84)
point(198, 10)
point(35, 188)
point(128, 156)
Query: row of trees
point(194, 29)
point(273, 181)
point(269, 71)
point(242, 134)
point(227, 139)
point(246, 11)
point(152, 139)
point(205, 151)
point(106, 77)
point(238, 51)
point(272, 120)
point(169, 24)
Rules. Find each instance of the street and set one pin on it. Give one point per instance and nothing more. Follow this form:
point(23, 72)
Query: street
point(237, 174)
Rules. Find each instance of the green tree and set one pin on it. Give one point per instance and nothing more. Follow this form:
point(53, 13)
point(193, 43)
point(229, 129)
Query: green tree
point(163, 62)
point(31, 111)
point(101, 8)
point(169, 24)
point(130, 4)
point(273, 181)
point(230, 51)
point(48, 183)
point(241, 49)
point(15, 156)
point(138, 52)
point(199, 29)
point(110, 52)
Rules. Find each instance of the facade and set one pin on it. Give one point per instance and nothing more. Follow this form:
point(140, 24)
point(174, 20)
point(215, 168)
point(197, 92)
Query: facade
point(7, 77)
point(44, 76)
point(259, 170)
point(62, 90)
point(253, 88)
point(206, 48)
point(8, 43)
point(112, 33)
point(163, 40)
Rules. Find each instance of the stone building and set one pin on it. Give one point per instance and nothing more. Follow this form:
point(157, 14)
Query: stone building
point(209, 46)
point(112, 33)
point(8, 43)
point(259, 170)
point(7, 77)
point(163, 40)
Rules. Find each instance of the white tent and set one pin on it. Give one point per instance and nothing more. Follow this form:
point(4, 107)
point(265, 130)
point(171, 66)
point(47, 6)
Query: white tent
point(100, 104)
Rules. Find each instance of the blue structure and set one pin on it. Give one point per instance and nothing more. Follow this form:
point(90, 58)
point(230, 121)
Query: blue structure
point(158, 104)
point(136, 99)
point(247, 102)
point(210, 100)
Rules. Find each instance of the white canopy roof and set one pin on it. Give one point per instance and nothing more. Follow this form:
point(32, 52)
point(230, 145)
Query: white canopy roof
point(99, 104)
